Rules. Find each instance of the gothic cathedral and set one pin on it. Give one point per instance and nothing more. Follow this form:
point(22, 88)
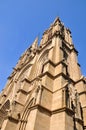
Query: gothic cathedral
point(46, 90)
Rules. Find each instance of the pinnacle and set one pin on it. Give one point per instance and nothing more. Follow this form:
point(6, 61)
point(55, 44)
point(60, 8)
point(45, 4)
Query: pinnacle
point(57, 19)
point(35, 43)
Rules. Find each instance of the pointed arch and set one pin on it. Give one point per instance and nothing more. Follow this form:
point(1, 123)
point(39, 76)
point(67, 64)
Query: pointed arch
point(27, 67)
point(25, 115)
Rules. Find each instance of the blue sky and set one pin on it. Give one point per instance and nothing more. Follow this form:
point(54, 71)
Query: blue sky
point(22, 20)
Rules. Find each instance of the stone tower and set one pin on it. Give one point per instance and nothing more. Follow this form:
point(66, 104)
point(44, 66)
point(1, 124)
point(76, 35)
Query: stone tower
point(46, 90)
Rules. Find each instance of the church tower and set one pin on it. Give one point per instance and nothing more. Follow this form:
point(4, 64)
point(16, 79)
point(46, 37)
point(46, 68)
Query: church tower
point(46, 90)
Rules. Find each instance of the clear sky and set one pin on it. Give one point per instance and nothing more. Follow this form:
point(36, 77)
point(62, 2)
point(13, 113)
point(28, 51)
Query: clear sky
point(22, 20)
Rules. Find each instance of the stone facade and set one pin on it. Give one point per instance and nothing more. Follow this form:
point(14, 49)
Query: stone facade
point(46, 90)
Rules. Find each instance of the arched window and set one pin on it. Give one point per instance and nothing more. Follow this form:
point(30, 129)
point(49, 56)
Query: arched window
point(4, 111)
point(37, 68)
point(42, 60)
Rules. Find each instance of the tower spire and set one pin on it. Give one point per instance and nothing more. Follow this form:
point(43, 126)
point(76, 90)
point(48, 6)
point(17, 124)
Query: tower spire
point(47, 84)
